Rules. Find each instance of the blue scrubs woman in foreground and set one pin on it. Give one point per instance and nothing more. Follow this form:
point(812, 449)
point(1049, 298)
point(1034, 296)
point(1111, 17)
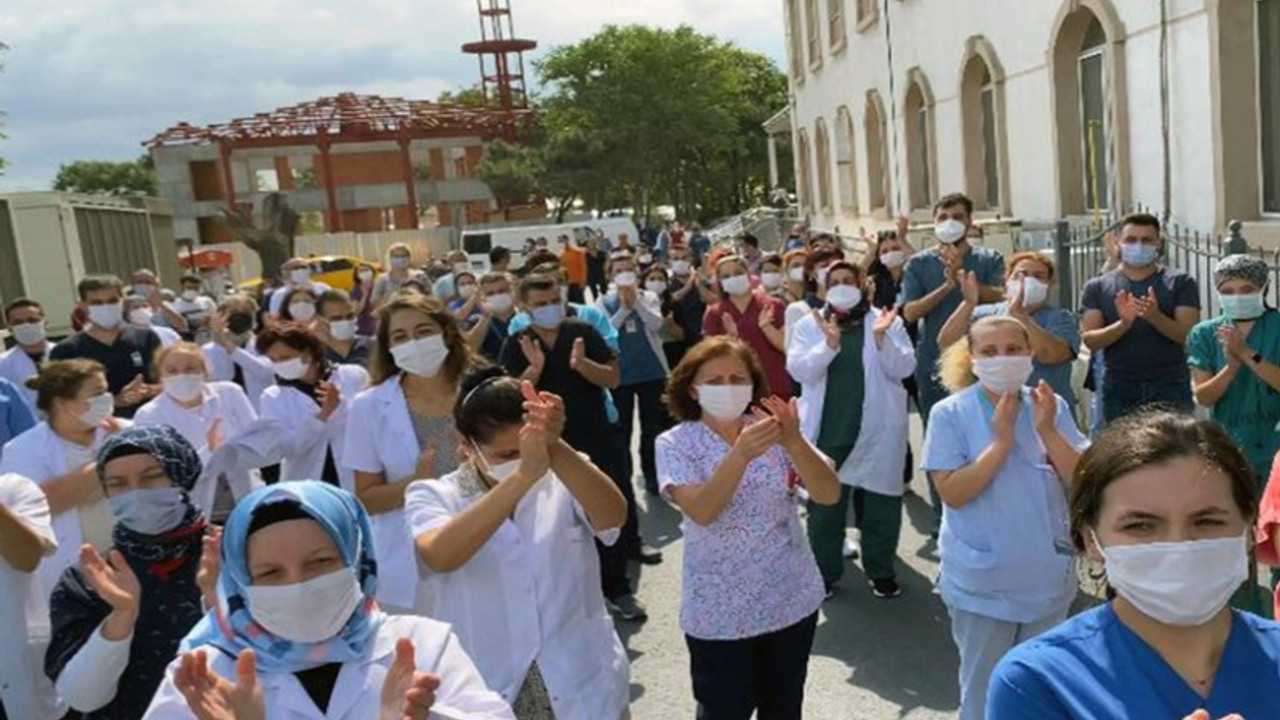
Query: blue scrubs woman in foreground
point(1166, 503)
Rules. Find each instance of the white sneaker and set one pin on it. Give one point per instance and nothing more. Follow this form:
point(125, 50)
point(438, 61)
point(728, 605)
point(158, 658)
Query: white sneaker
point(851, 549)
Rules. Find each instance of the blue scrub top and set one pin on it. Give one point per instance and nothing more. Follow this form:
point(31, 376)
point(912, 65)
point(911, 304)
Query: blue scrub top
point(16, 416)
point(1093, 667)
point(1058, 323)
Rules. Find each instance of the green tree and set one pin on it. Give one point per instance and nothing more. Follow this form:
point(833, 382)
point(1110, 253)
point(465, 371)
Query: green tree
point(103, 177)
point(471, 96)
point(512, 171)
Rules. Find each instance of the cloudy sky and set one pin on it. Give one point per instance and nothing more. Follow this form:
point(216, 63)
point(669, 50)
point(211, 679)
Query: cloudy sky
point(93, 79)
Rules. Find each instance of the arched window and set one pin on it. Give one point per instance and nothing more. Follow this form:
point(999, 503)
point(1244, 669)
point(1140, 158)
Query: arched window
point(804, 166)
point(795, 29)
point(1269, 98)
point(846, 168)
point(835, 23)
point(813, 31)
point(823, 165)
point(918, 116)
point(877, 154)
point(982, 115)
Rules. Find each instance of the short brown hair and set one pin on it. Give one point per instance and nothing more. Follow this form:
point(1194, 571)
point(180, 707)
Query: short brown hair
point(1033, 256)
point(947, 201)
point(62, 379)
point(295, 335)
point(94, 283)
point(165, 351)
point(382, 366)
point(680, 401)
point(1141, 220)
point(1152, 438)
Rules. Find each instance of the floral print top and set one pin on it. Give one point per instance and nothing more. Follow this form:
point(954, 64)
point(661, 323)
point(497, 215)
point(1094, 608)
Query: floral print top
point(750, 572)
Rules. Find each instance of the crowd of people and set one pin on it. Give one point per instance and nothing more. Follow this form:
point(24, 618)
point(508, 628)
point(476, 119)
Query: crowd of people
point(419, 498)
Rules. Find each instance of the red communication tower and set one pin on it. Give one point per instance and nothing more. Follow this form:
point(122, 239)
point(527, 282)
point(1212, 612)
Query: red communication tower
point(501, 56)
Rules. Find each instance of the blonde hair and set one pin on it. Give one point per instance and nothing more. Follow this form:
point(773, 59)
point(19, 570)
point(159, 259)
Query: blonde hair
point(955, 366)
point(188, 348)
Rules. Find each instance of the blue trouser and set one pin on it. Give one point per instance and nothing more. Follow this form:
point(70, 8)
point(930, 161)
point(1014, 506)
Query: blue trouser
point(1122, 396)
point(931, 393)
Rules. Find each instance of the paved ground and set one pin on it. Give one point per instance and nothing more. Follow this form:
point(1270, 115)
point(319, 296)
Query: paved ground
point(872, 659)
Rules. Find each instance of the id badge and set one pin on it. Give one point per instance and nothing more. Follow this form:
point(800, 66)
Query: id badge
point(630, 325)
point(136, 359)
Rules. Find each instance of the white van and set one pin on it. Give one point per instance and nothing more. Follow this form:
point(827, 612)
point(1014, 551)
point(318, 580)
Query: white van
point(478, 242)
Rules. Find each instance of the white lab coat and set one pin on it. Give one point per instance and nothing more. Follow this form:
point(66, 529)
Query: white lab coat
point(39, 455)
point(276, 303)
point(259, 374)
point(879, 453)
point(17, 367)
point(306, 440)
point(380, 439)
point(532, 593)
point(222, 400)
point(24, 622)
point(357, 693)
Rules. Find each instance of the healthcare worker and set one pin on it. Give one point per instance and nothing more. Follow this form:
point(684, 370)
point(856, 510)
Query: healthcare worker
point(309, 404)
point(59, 456)
point(207, 414)
point(231, 355)
point(1001, 456)
point(507, 540)
point(850, 360)
point(297, 635)
point(118, 617)
point(1166, 504)
point(401, 429)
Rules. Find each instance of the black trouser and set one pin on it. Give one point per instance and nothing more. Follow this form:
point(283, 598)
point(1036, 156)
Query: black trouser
point(576, 296)
point(613, 559)
point(765, 674)
point(653, 421)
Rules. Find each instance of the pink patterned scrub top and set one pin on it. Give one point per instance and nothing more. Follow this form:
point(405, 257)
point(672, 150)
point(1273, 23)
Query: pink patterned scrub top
point(750, 572)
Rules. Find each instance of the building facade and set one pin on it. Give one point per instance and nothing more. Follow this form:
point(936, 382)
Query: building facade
point(1038, 109)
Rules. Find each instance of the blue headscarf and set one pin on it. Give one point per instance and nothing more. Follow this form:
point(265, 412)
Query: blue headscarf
point(231, 628)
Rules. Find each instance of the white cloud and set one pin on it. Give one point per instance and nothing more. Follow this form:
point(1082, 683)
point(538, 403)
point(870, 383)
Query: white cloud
point(95, 78)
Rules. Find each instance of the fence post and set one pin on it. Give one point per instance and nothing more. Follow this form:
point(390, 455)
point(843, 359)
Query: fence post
point(1062, 257)
point(1235, 243)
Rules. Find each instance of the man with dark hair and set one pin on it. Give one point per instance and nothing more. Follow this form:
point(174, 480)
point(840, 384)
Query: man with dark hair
point(31, 346)
point(1140, 314)
point(146, 285)
point(749, 251)
point(126, 352)
point(500, 259)
point(336, 326)
point(195, 307)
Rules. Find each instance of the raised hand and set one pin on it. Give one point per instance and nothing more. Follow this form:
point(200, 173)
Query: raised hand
point(1017, 303)
point(213, 436)
point(627, 295)
point(884, 323)
point(830, 329)
point(426, 465)
point(210, 566)
point(133, 393)
point(535, 459)
point(1006, 415)
point(766, 316)
point(1044, 407)
point(971, 288)
point(211, 697)
point(756, 438)
point(533, 353)
point(406, 693)
point(545, 408)
point(113, 580)
point(321, 327)
point(1128, 307)
point(730, 325)
point(330, 395)
point(787, 415)
point(1151, 303)
point(953, 268)
point(577, 354)
point(1233, 343)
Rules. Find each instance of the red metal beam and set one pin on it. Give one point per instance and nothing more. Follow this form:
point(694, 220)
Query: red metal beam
point(228, 180)
point(332, 218)
point(410, 182)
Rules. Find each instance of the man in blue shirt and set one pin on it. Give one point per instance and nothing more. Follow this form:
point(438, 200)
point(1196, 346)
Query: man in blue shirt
point(15, 415)
point(699, 244)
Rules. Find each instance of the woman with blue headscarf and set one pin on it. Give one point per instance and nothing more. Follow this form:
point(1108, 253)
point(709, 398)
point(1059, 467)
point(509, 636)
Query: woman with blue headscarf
point(297, 634)
point(116, 623)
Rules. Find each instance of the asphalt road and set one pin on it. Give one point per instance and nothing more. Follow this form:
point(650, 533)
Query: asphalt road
point(872, 659)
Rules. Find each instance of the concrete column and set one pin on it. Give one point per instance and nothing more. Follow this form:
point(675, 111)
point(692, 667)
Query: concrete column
point(411, 183)
point(773, 162)
point(333, 218)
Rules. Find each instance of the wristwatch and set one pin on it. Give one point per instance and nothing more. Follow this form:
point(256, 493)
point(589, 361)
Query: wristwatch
point(1257, 358)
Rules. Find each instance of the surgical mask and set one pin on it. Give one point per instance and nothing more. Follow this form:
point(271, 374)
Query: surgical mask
point(1178, 583)
point(1138, 254)
point(399, 262)
point(843, 298)
point(183, 388)
point(365, 275)
point(796, 274)
point(950, 232)
point(144, 289)
point(422, 357)
point(29, 333)
point(307, 612)
point(645, 259)
point(657, 287)
point(240, 323)
point(190, 295)
point(1004, 373)
point(342, 330)
point(290, 369)
point(100, 408)
point(140, 317)
point(107, 317)
point(736, 285)
point(300, 276)
point(499, 303)
point(725, 402)
point(1240, 307)
point(461, 267)
point(547, 317)
point(466, 291)
point(499, 472)
point(153, 511)
point(680, 267)
point(771, 280)
point(1034, 292)
point(625, 279)
point(302, 311)
point(893, 258)
point(821, 276)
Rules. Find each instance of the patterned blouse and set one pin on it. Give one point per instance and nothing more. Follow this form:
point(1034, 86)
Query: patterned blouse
point(750, 572)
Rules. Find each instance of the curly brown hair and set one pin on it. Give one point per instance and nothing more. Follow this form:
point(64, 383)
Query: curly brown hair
point(62, 379)
point(382, 366)
point(295, 335)
point(679, 398)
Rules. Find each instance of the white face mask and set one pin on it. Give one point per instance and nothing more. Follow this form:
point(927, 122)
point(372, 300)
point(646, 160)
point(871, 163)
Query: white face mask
point(893, 258)
point(1178, 583)
point(771, 280)
point(680, 267)
point(736, 285)
point(497, 472)
point(657, 287)
point(300, 276)
point(625, 279)
point(308, 612)
point(152, 511)
point(190, 295)
point(796, 274)
point(950, 232)
point(365, 275)
point(725, 402)
point(843, 297)
point(422, 357)
point(821, 276)
point(1034, 292)
point(302, 311)
point(342, 330)
point(100, 408)
point(183, 388)
point(1004, 373)
point(645, 259)
point(499, 303)
point(107, 317)
point(29, 333)
point(291, 369)
point(140, 317)
point(466, 292)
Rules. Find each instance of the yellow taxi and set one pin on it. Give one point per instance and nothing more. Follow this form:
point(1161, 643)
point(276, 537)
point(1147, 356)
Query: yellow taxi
point(336, 271)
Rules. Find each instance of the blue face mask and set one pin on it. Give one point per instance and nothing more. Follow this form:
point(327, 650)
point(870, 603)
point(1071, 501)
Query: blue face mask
point(1242, 307)
point(150, 512)
point(548, 317)
point(1138, 254)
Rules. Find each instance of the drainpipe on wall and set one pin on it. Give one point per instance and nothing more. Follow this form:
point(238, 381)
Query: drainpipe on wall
point(1167, 154)
point(900, 208)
